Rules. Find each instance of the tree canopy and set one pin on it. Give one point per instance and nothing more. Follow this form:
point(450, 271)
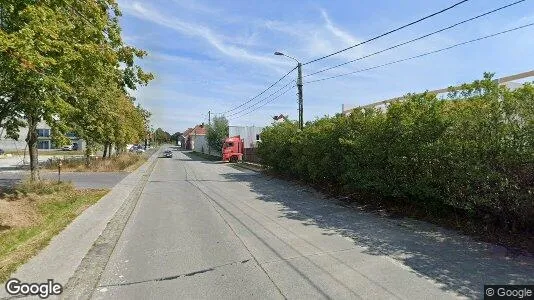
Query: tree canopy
point(217, 132)
point(64, 62)
point(162, 136)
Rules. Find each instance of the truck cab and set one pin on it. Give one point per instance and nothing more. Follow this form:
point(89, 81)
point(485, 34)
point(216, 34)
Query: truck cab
point(232, 149)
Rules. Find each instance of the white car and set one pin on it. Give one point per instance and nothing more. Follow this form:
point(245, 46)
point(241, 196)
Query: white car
point(67, 148)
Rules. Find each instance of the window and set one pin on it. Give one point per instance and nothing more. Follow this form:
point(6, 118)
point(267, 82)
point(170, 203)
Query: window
point(43, 133)
point(43, 145)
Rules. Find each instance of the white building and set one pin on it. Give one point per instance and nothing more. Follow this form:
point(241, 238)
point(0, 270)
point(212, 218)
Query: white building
point(249, 134)
point(44, 140)
point(507, 81)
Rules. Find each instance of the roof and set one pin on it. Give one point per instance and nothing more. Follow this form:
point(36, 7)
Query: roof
point(198, 130)
point(186, 133)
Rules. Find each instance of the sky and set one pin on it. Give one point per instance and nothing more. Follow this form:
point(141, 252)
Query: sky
point(214, 55)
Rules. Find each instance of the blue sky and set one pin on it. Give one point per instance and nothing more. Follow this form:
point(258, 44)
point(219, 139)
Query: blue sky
point(215, 55)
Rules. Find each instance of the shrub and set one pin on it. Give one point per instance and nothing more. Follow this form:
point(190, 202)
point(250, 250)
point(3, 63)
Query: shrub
point(473, 151)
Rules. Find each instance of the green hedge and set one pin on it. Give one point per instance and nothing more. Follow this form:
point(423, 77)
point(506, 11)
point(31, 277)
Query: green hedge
point(473, 151)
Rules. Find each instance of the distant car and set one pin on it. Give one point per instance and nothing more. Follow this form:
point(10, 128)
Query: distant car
point(139, 150)
point(167, 154)
point(2, 151)
point(67, 148)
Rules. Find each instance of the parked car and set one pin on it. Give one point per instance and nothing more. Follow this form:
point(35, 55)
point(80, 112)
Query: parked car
point(167, 153)
point(139, 150)
point(67, 148)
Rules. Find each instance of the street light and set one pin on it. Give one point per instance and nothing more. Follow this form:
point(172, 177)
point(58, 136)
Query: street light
point(299, 87)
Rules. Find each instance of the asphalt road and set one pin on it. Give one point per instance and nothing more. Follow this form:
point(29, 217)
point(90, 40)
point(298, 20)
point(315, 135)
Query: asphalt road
point(207, 230)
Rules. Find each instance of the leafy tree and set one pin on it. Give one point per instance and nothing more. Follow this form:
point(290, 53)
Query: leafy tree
point(217, 132)
point(61, 59)
point(176, 137)
point(162, 136)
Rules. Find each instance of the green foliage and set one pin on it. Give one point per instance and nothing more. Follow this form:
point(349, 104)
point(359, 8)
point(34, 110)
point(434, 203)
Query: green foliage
point(64, 62)
point(217, 132)
point(473, 151)
point(175, 137)
point(162, 136)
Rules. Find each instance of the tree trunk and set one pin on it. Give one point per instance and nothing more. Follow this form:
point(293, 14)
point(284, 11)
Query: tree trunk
point(105, 150)
point(87, 155)
point(31, 141)
point(110, 149)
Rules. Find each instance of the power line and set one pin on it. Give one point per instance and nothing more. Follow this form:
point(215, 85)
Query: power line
point(265, 90)
point(424, 54)
point(389, 32)
point(287, 90)
point(267, 97)
point(416, 39)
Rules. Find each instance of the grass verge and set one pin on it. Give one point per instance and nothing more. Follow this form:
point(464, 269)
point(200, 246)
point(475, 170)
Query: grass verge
point(47, 152)
point(32, 213)
point(124, 162)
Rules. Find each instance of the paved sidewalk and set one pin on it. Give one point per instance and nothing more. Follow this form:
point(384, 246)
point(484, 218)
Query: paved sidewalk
point(63, 255)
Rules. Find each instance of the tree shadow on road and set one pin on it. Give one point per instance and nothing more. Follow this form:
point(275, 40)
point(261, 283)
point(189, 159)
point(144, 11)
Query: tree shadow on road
point(194, 156)
point(457, 262)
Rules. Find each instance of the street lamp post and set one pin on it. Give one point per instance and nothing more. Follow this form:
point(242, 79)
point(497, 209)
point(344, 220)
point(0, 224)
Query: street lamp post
point(299, 88)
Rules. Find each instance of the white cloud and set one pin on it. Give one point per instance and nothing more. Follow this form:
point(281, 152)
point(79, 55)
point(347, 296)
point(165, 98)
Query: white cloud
point(315, 39)
point(344, 36)
point(216, 40)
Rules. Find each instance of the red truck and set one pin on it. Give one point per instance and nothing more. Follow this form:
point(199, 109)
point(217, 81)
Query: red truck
point(232, 150)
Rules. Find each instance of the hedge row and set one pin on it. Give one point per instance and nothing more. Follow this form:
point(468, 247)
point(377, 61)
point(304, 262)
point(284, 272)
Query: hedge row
point(472, 151)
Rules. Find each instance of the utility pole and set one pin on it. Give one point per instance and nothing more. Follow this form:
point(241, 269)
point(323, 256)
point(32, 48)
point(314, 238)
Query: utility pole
point(301, 100)
point(299, 88)
point(209, 125)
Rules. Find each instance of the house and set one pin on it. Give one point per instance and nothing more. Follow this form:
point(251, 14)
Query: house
point(193, 138)
point(44, 139)
point(280, 119)
point(183, 138)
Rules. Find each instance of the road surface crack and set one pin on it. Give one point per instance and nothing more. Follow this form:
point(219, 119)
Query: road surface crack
point(173, 277)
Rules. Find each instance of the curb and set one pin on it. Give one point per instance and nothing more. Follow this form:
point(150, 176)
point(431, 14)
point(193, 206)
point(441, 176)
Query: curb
point(61, 257)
